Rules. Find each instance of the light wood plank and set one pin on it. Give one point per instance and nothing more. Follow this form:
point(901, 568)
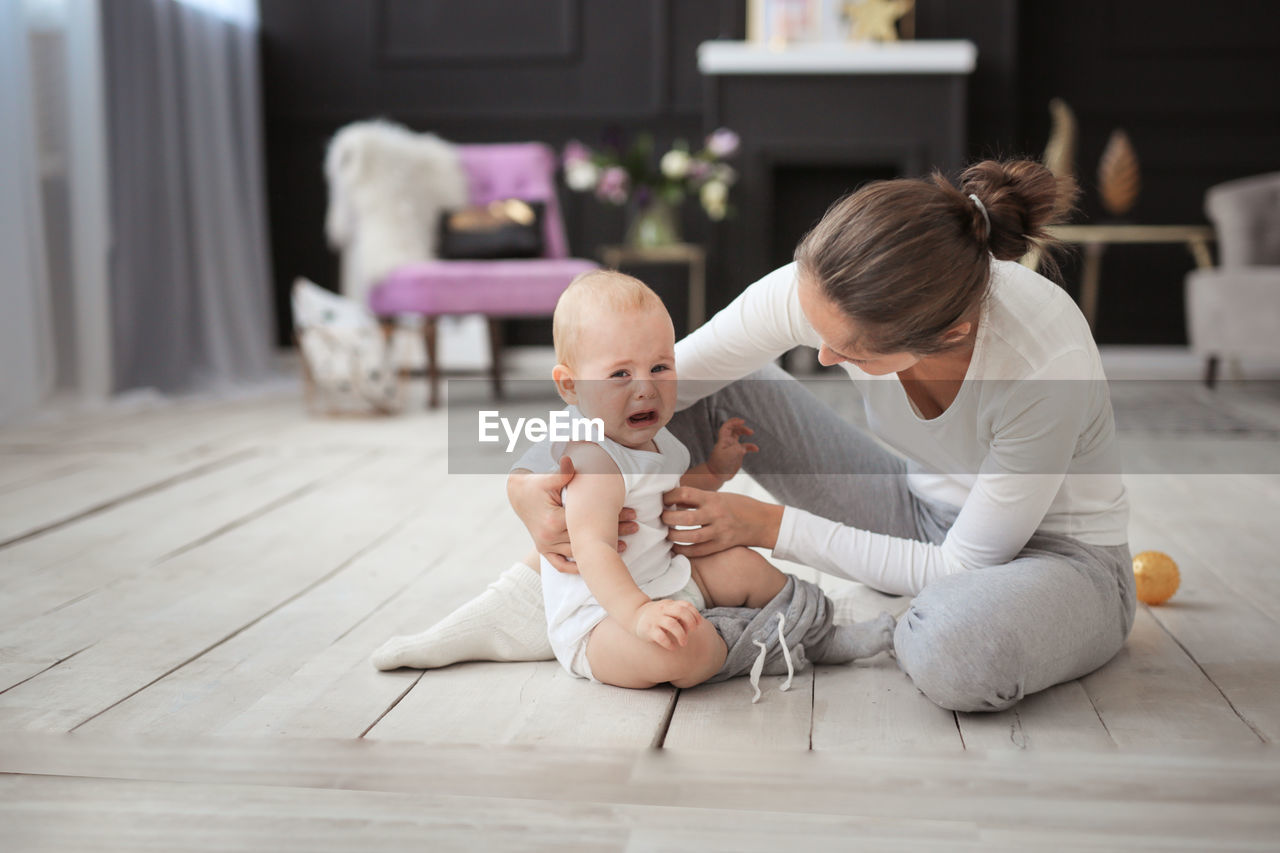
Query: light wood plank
point(170, 427)
point(1152, 695)
point(58, 813)
point(129, 539)
point(23, 469)
point(47, 504)
point(1229, 638)
point(140, 630)
point(872, 704)
point(337, 692)
point(1220, 799)
point(215, 687)
point(1230, 521)
point(722, 716)
point(1060, 718)
point(525, 703)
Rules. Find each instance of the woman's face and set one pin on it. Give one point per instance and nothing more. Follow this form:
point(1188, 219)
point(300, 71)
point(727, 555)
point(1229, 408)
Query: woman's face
point(838, 333)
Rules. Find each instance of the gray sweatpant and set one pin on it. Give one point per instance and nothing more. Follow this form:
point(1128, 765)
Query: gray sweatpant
point(976, 641)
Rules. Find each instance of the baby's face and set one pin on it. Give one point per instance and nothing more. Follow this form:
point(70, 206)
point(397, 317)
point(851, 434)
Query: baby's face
point(625, 374)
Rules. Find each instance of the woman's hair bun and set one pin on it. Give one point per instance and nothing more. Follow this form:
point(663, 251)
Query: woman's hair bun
point(1021, 198)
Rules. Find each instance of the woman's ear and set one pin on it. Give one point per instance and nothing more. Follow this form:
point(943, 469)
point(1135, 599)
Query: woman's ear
point(563, 377)
point(957, 333)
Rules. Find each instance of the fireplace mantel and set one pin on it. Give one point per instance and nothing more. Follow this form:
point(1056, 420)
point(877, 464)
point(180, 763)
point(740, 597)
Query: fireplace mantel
point(817, 121)
point(905, 57)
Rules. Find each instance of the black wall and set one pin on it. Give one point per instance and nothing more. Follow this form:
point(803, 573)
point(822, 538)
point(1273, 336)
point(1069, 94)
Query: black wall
point(1193, 85)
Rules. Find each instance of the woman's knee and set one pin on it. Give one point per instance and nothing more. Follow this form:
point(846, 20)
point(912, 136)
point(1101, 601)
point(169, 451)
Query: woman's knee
point(960, 664)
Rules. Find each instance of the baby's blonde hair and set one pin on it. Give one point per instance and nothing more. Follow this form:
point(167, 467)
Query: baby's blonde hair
point(597, 290)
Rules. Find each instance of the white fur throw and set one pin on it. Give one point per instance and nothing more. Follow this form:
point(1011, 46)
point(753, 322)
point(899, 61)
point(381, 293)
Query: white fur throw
point(387, 187)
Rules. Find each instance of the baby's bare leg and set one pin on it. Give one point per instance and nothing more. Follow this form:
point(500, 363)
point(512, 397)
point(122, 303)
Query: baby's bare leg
point(737, 577)
point(740, 577)
point(618, 657)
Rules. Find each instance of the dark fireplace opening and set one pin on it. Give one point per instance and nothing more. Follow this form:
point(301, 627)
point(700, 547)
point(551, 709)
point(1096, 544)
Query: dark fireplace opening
point(803, 192)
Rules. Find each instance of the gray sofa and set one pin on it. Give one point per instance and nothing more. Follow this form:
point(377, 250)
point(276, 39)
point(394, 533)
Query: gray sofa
point(1233, 310)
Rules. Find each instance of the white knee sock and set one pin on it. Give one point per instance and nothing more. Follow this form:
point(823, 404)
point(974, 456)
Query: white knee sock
point(505, 622)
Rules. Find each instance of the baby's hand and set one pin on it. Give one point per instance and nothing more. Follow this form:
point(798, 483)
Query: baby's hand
point(726, 456)
point(667, 622)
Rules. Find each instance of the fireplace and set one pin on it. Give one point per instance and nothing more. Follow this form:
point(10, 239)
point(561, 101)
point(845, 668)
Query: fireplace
point(800, 192)
point(817, 122)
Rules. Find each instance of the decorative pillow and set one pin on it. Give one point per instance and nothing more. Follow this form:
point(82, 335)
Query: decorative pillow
point(510, 228)
point(345, 353)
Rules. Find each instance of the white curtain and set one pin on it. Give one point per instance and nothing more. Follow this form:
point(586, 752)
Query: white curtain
point(26, 332)
point(133, 245)
point(190, 293)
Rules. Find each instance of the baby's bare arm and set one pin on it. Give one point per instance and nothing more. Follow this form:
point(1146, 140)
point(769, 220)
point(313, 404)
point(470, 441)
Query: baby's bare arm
point(725, 458)
point(592, 501)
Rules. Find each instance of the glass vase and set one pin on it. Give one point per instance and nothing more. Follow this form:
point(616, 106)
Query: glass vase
point(655, 223)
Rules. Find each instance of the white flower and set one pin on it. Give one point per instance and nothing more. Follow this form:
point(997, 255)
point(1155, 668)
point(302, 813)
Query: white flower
point(675, 164)
point(724, 173)
point(581, 175)
point(714, 195)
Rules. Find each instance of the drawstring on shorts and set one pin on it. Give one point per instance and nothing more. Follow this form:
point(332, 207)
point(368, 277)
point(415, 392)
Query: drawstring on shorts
point(757, 668)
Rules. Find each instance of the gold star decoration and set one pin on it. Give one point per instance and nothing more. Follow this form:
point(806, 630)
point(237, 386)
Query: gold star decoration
point(876, 20)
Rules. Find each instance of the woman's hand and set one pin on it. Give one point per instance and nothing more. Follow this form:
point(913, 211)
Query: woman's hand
point(536, 500)
point(722, 520)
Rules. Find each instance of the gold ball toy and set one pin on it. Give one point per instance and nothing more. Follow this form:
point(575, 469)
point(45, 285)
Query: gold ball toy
point(1156, 576)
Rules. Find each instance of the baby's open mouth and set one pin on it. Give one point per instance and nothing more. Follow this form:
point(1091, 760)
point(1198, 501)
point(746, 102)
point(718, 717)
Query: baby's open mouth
point(642, 419)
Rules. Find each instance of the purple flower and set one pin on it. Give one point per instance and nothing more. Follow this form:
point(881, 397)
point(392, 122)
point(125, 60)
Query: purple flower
point(698, 170)
point(613, 185)
point(723, 142)
point(575, 152)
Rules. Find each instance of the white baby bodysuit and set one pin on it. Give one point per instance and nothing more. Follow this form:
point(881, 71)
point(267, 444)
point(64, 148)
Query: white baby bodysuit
point(572, 611)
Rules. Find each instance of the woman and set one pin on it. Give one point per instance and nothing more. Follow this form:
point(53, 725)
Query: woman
point(1007, 520)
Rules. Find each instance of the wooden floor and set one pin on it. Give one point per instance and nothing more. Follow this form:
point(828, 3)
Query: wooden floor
point(189, 595)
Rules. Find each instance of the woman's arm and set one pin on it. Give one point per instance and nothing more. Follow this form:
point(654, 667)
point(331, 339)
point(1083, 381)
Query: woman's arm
point(1034, 442)
point(764, 322)
point(1019, 478)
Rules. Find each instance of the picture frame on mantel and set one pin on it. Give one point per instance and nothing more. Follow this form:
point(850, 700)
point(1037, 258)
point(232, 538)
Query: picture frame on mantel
point(778, 23)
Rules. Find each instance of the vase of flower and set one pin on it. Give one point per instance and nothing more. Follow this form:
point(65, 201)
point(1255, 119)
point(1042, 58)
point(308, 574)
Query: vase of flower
point(652, 222)
point(654, 188)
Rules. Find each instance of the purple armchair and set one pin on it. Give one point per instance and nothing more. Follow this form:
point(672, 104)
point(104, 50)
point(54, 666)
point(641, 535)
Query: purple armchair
point(497, 289)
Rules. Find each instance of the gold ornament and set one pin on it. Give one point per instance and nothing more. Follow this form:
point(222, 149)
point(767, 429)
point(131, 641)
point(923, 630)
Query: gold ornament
point(1060, 152)
point(1118, 179)
point(875, 20)
point(1156, 576)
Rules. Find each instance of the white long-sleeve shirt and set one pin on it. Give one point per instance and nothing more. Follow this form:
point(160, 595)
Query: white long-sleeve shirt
point(1027, 444)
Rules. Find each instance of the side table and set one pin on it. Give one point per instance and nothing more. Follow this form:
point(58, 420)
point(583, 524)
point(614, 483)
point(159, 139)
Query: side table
point(1096, 238)
point(694, 256)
